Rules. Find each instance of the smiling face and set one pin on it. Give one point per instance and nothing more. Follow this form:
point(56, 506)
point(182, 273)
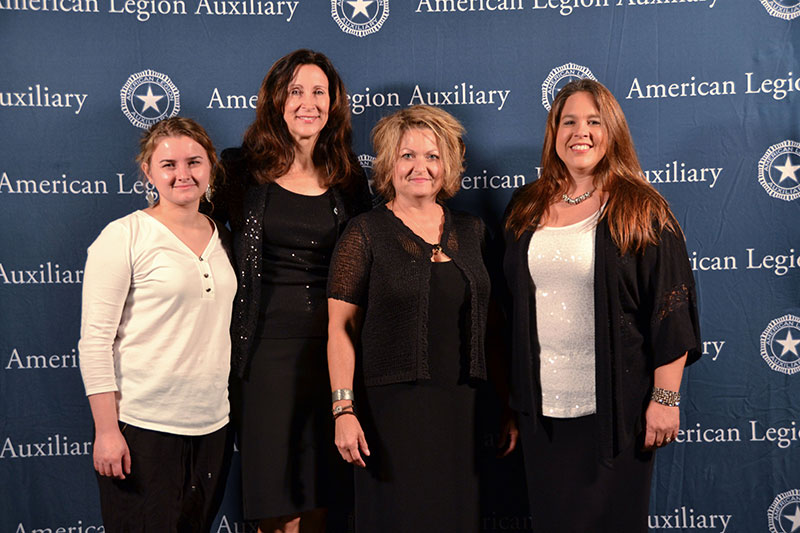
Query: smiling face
point(307, 103)
point(180, 170)
point(418, 169)
point(581, 137)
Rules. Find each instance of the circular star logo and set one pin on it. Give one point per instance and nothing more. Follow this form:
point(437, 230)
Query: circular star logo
point(561, 76)
point(360, 17)
point(780, 344)
point(782, 9)
point(149, 97)
point(784, 513)
point(366, 161)
point(779, 170)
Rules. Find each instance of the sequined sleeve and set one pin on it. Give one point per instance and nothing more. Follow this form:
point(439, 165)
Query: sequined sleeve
point(348, 277)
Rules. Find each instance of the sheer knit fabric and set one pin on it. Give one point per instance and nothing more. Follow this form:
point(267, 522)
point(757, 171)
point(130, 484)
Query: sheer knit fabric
point(382, 266)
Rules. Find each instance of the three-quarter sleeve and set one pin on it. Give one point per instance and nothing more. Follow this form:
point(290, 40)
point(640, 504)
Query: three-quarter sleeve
point(674, 322)
point(107, 280)
point(348, 277)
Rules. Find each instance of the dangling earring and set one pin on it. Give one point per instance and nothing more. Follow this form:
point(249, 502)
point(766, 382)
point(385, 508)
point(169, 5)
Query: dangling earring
point(209, 193)
point(150, 195)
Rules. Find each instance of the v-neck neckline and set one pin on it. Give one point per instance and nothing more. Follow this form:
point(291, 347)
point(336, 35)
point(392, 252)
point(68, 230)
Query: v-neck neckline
point(442, 237)
point(206, 249)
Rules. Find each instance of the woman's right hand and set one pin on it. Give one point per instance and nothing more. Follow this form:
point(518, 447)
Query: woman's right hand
point(112, 458)
point(350, 440)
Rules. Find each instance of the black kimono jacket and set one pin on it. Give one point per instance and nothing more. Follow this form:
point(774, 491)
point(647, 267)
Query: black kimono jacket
point(645, 317)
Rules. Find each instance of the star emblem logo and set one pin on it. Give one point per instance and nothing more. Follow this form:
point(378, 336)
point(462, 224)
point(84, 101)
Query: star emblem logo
point(360, 6)
point(787, 170)
point(776, 171)
point(360, 17)
point(150, 100)
point(780, 344)
point(784, 9)
point(794, 519)
point(560, 76)
point(148, 97)
point(784, 512)
point(788, 343)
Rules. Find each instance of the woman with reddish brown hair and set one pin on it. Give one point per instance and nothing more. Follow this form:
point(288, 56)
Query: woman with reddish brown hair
point(604, 319)
point(290, 190)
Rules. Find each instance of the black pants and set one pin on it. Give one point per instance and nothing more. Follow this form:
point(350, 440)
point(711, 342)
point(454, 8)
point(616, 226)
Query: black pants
point(176, 482)
point(571, 491)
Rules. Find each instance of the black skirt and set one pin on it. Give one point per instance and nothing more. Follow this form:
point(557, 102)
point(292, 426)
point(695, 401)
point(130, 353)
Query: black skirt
point(421, 475)
point(289, 459)
point(571, 490)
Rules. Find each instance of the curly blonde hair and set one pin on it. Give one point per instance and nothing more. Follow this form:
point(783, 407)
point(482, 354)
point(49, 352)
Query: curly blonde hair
point(388, 132)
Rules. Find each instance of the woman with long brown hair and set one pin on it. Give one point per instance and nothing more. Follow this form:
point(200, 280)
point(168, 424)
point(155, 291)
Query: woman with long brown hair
point(291, 188)
point(604, 320)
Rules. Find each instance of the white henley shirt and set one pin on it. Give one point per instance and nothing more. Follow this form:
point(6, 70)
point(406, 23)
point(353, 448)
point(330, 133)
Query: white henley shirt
point(155, 326)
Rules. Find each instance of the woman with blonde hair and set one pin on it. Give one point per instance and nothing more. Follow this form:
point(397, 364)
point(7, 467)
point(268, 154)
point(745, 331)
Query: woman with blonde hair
point(155, 344)
point(604, 319)
point(409, 293)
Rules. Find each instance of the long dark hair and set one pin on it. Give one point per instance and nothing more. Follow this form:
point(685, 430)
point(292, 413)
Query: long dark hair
point(636, 212)
point(268, 145)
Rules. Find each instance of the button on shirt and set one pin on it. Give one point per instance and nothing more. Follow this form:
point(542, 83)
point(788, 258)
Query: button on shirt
point(155, 326)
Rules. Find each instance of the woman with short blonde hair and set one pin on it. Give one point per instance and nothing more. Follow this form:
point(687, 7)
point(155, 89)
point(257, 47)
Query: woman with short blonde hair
point(409, 293)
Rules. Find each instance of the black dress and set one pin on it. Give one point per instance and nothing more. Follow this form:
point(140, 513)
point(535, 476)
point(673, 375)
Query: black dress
point(286, 430)
point(421, 475)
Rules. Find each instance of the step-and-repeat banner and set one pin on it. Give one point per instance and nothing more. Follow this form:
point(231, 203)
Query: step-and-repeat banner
point(710, 89)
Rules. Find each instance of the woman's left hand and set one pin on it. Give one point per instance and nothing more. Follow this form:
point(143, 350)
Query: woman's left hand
point(509, 433)
point(662, 424)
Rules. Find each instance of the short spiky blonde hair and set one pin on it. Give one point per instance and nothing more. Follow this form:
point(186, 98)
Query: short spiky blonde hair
point(447, 130)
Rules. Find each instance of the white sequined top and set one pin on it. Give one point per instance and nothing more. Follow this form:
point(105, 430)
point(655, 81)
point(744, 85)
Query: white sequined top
point(561, 264)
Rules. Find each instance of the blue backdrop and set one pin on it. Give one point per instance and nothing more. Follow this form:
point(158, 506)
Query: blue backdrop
point(710, 89)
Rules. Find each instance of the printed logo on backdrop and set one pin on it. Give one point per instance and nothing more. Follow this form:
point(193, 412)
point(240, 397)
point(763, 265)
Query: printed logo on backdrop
point(779, 344)
point(48, 273)
point(149, 97)
point(783, 9)
point(779, 170)
point(784, 512)
point(80, 527)
point(366, 162)
point(561, 76)
point(55, 446)
point(360, 17)
point(684, 518)
point(39, 95)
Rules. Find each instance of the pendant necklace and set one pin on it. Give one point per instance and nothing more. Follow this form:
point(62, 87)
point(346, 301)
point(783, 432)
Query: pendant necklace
point(436, 249)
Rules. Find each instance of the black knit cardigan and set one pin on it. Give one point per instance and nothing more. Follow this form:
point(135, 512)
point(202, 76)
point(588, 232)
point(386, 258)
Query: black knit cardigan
point(382, 266)
point(645, 317)
point(240, 201)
